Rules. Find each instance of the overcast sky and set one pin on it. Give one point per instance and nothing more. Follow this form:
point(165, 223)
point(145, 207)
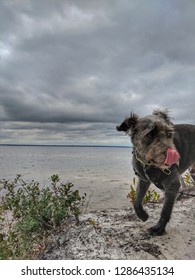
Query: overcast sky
point(70, 71)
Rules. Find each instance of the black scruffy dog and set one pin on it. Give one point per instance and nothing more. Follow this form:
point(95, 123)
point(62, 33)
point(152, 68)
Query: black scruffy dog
point(161, 152)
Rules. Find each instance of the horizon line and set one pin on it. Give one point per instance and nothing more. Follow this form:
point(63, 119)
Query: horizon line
point(66, 145)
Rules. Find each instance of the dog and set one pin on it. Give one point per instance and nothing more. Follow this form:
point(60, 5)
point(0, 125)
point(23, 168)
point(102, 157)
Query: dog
point(162, 151)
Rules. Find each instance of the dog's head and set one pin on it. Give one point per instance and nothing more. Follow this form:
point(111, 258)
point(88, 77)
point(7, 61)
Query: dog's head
point(151, 136)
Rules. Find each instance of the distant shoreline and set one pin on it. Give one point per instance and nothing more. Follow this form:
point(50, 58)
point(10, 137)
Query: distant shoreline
point(64, 146)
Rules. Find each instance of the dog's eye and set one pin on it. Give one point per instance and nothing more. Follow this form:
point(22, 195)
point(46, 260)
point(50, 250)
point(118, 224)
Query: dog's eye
point(150, 135)
point(169, 134)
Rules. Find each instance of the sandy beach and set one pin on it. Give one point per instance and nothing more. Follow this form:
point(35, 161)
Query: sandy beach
point(118, 234)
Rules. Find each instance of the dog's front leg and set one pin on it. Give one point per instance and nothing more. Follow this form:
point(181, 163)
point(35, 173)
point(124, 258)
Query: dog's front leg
point(141, 190)
point(170, 195)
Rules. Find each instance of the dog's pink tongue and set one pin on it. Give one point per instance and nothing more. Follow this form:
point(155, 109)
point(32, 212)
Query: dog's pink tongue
point(172, 156)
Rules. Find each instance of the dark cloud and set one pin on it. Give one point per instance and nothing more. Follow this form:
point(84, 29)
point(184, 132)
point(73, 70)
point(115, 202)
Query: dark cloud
point(71, 70)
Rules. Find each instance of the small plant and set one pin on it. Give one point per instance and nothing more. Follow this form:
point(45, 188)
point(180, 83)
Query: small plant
point(94, 224)
point(151, 196)
point(132, 192)
point(28, 212)
point(188, 181)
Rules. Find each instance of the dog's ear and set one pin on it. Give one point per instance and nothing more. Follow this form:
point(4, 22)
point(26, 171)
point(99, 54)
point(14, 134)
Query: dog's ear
point(164, 114)
point(128, 123)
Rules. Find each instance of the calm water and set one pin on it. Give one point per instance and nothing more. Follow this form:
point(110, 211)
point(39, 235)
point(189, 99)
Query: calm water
point(104, 173)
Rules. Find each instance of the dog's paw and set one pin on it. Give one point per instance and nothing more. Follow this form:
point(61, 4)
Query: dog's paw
point(142, 215)
point(156, 230)
point(140, 212)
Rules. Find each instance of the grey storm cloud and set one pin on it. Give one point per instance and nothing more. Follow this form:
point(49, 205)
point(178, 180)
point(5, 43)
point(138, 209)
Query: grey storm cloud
point(71, 70)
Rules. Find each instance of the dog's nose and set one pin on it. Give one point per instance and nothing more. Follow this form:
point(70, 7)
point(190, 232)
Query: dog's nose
point(118, 127)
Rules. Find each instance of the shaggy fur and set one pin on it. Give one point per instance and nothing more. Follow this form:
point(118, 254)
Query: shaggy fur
point(151, 137)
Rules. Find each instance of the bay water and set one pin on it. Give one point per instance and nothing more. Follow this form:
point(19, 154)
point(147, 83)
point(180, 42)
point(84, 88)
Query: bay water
point(103, 173)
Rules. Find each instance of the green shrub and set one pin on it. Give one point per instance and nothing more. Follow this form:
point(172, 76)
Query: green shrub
point(153, 196)
point(28, 212)
point(150, 196)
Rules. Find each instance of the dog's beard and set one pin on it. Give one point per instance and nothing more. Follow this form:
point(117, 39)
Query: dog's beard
point(155, 153)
